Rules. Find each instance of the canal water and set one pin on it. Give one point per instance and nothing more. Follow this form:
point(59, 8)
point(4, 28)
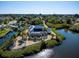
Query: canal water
point(68, 49)
point(8, 36)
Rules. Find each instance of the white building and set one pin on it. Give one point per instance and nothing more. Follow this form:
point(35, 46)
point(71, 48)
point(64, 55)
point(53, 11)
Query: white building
point(13, 23)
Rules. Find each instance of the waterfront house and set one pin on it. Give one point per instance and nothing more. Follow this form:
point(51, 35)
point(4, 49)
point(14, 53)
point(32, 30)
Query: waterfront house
point(37, 31)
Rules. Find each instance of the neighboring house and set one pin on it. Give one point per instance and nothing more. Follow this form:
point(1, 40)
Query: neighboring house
point(37, 31)
point(2, 26)
point(13, 23)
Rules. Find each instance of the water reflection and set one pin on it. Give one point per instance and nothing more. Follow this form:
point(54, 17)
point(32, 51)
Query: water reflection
point(43, 54)
point(66, 30)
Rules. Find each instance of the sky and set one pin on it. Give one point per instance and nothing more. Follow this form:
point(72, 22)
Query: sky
point(39, 7)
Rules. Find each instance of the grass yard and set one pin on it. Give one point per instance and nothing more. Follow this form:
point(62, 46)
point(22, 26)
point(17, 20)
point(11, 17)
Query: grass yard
point(4, 32)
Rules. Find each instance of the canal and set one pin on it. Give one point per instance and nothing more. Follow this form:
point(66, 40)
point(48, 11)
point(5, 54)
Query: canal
point(8, 36)
point(68, 49)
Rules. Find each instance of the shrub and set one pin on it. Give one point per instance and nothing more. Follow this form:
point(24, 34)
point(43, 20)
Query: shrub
point(31, 49)
point(75, 27)
point(12, 54)
point(1, 52)
point(43, 45)
point(51, 43)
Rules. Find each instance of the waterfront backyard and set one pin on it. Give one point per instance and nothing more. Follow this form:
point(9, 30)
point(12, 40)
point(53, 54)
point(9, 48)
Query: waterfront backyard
point(28, 42)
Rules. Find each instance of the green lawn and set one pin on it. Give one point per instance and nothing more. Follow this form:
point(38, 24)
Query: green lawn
point(58, 26)
point(60, 36)
point(4, 32)
point(51, 43)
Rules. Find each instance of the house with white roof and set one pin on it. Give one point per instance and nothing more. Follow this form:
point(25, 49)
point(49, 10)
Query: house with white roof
point(13, 23)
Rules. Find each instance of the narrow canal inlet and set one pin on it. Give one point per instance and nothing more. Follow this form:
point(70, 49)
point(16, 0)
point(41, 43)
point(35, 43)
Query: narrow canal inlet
point(68, 49)
point(8, 36)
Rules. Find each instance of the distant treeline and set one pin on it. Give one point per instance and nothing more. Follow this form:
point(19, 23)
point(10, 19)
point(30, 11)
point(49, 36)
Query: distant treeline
point(77, 15)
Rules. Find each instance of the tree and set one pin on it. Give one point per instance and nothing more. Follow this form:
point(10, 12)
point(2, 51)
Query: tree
point(76, 15)
point(69, 21)
point(43, 45)
point(36, 21)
